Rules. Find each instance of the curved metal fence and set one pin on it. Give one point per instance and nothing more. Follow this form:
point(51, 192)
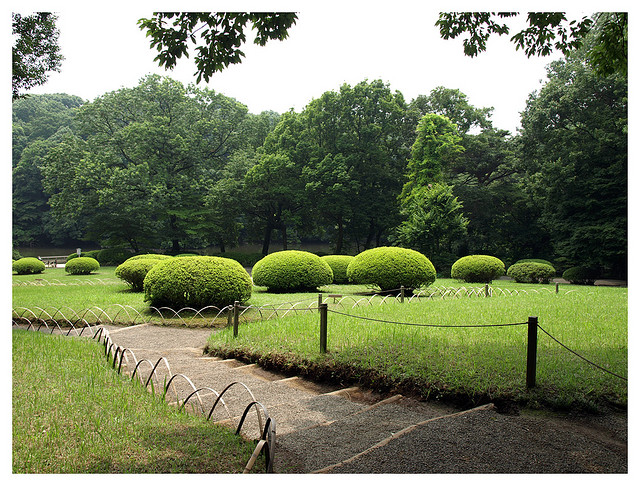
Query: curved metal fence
point(176, 388)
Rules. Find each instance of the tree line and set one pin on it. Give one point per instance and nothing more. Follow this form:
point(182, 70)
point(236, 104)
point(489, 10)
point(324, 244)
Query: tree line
point(163, 165)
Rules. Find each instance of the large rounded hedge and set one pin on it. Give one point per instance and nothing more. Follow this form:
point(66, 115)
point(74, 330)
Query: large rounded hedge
point(28, 266)
point(338, 264)
point(156, 256)
point(531, 272)
point(477, 269)
point(390, 268)
point(197, 281)
point(81, 266)
point(580, 275)
point(134, 271)
point(291, 270)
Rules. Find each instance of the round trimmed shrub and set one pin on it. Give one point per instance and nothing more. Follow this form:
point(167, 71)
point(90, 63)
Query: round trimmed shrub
point(197, 281)
point(28, 266)
point(391, 267)
point(536, 260)
point(134, 271)
point(477, 269)
point(157, 256)
point(531, 272)
point(81, 266)
point(338, 264)
point(580, 275)
point(291, 270)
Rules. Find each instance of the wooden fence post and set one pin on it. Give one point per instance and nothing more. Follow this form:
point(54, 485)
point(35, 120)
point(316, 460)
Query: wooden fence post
point(402, 294)
point(236, 317)
point(323, 327)
point(486, 290)
point(532, 349)
point(557, 287)
point(319, 301)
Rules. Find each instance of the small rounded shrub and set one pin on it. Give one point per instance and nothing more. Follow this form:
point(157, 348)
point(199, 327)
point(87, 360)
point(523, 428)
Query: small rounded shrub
point(477, 269)
point(81, 266)
point(197, 281)
point(134, 271)
point(157, 256)
point(338, 264)
point(580, 275)
point(390, 268)
point(531, 272)
point(291, 270)
point(28, 266)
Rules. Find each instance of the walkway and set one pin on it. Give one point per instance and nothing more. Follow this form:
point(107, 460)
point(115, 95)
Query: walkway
point(328, 429)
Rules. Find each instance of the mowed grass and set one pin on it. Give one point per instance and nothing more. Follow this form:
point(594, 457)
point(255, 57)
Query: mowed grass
point(72, 413)
point(468, 364)
point(456, 363)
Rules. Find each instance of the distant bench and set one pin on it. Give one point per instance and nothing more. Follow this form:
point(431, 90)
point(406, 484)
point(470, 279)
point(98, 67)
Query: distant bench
point(52, 261)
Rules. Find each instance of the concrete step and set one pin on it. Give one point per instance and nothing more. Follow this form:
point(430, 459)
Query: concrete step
point(338, 440)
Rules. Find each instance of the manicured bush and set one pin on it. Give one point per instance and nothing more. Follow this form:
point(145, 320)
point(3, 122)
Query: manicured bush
point(81, 266)
point(134, 271)
point(27, 266)
point(531, 272)
point(111, 257)
point(291, 270)
point(580, 275)
point(15, 254)
point(477, 269)
point(390, 268)
point(536, 260)
point(338, 264)
point(197, 281)
point(157, 256)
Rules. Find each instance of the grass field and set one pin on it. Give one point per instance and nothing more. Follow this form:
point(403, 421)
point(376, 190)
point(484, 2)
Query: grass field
point(455, 363)
point(72, 413)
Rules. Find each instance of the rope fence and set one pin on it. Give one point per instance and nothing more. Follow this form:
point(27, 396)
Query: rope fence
point(532, 338)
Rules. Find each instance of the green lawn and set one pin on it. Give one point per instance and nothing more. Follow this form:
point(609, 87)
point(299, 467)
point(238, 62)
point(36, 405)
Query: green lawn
point(469, 364)
point(72, 413)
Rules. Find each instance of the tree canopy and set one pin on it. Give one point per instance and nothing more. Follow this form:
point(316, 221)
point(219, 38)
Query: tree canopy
point(35, 50)
point(217, 36)
point(547, 31)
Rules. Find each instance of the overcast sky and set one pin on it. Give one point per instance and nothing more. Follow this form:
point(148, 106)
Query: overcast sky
point(332, 43)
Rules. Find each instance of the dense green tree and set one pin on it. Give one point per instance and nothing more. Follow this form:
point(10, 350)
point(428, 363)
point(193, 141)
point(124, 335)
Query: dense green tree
point(35, 50)
point(39, 123)
point(217, 36)
point(150, 156)
point(434, 224)
point(436, 147)
point(359, 140)
point(547, 31)
point(453, 104)
point(574, 147)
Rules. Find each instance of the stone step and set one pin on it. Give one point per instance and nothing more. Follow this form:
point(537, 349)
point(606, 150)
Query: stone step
point(337, 440)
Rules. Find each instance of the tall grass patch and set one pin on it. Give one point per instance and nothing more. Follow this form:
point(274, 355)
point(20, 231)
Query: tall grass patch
point(72, 413)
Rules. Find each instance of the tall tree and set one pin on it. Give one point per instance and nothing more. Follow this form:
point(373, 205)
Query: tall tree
point(574, 145)
point(35, 50)
point(217, 36)
point(150, 156)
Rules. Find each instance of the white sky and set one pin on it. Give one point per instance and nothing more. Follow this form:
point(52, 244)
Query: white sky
point(331, 43)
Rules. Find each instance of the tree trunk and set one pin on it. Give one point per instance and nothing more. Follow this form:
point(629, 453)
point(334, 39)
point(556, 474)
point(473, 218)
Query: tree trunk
point(267, 239)
point(340, 237)
point(283, 231)
point(222, 247)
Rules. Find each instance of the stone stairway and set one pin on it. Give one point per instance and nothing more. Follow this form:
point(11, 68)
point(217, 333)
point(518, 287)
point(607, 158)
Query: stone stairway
point(318, 427)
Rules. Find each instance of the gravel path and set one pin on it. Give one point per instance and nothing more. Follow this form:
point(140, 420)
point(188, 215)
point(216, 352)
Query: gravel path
point(324, 429)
